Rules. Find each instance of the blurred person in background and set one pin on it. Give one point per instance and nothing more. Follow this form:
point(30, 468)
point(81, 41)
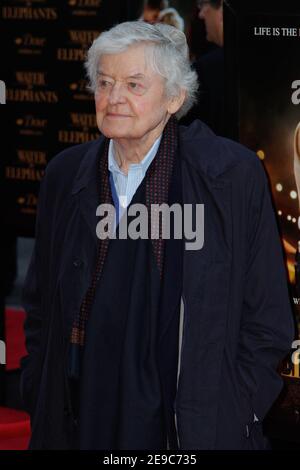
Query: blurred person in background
point(211, 11)
point(171, 16)
point(210, 70)
point(152, 9)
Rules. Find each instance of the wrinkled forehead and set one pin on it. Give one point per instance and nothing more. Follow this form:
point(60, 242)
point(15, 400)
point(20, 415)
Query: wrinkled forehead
point(135, 60)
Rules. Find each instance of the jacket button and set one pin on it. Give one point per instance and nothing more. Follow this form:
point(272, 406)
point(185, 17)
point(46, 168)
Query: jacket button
point(77, 263)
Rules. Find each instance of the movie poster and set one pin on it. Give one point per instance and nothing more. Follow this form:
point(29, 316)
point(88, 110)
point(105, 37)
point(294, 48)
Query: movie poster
point(266, 49)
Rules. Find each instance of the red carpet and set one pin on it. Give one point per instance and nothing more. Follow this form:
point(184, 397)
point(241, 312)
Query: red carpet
point(15, 341)
point(14, 429)
point(14, 424)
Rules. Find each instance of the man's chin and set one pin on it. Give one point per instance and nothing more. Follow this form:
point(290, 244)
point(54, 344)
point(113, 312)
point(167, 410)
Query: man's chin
point(114, 133)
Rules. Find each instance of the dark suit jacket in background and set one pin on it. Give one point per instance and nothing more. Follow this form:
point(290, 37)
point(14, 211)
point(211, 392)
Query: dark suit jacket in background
point(210, 106)
point(237, 323)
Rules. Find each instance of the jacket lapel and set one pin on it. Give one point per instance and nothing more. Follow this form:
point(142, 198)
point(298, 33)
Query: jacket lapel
point(81, 246)
point(86, 187)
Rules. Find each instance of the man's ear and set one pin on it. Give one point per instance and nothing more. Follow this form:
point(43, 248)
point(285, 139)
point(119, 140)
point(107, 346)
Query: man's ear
point(175, 102)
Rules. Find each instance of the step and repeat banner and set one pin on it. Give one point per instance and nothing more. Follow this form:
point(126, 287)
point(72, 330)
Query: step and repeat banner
point(263, 81)
point(43, 82)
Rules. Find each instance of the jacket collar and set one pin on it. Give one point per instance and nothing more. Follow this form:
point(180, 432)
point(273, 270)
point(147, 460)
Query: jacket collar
point(206, 152)
point(201, 147)
point(87, 170)
point(211, 156)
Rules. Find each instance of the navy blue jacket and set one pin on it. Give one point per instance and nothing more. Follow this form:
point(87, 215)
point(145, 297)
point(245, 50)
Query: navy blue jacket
point(238, 322)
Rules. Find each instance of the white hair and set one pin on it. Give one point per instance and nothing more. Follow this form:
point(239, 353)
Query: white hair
point(167, 53)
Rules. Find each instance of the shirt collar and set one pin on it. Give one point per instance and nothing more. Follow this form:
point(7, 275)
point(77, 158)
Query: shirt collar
point(143, 165)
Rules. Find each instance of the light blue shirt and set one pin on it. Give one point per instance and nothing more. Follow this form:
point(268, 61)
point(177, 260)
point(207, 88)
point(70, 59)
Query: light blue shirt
point(126, 185)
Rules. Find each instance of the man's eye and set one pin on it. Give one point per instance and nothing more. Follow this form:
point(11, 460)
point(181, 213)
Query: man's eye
point(104, 84)
point(136, 87)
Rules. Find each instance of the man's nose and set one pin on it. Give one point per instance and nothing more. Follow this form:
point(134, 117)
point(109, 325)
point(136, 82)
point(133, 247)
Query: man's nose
point(117, 94)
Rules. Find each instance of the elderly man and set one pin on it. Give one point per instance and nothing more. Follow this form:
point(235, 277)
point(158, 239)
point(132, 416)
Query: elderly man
point(113, 361)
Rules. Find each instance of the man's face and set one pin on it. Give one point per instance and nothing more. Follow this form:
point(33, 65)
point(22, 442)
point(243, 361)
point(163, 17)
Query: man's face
point(130, 98)
point(213, 18)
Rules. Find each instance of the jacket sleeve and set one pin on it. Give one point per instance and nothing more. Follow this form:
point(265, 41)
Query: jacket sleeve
point(32, 303)
point(267, 326)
